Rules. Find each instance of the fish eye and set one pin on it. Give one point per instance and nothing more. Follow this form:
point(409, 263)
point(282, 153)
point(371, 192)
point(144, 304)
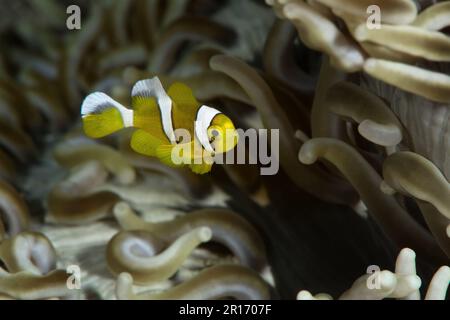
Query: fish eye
point(214, 132)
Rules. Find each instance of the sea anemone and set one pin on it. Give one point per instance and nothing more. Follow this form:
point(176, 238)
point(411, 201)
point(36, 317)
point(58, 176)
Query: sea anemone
point(362, 116)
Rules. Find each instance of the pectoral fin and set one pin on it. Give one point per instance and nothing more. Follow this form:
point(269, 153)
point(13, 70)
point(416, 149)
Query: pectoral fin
point(164, 153)
point(183, 97)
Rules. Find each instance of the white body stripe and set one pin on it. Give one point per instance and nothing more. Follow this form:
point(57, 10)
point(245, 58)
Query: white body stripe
point(153, 88)
point(98, 101)
point(205, 115)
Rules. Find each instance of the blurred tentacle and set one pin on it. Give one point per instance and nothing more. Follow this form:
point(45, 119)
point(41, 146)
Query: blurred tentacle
point(279, 60)
point(309, 179)
point(394, 220)
point(413, 175)
point(181, 31)
point(377, 123)
point(74, 199)
point(78, 152)
point(149, 259)
point(226, 281)
point(228, 228)
point(28, 286)
point(13, 209)
point(28, 251)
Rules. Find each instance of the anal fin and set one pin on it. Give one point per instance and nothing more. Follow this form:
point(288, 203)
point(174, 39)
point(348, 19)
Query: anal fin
point(164, 153)
point(201, 168)
point(144, 143)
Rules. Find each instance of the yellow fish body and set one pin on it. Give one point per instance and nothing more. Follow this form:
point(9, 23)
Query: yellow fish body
point(164, 121)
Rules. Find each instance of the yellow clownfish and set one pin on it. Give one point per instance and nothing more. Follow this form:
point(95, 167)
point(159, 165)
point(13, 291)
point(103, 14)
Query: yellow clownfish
point(158, 115)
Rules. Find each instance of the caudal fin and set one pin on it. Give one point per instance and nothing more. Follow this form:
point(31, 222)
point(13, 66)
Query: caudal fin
point(102, 115)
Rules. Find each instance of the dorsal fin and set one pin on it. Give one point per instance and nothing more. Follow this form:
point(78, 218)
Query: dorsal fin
point(183, 97)
point(145, 89)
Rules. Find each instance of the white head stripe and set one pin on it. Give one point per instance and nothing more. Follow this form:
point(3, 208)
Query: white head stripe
point(153, 88)
point(98, 101)
point(205, 115)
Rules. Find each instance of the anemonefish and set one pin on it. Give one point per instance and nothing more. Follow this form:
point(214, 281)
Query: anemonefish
point(158, 117)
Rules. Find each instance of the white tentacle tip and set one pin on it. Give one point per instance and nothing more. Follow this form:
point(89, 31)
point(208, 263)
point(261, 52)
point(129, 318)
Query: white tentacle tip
point(304, 295)
point(205, 234)
point(407, 253)
point(439, 284)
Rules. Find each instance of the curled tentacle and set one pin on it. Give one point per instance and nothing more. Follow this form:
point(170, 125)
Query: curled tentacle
point(396, 222)
point(74, 200)
point(228, 228)
point(29, 286)
point(377, 123)
point(13, 209)
point(147, 258)
point(72, 154)
point(224, 281)
point(413, 175)
point(28, 251)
